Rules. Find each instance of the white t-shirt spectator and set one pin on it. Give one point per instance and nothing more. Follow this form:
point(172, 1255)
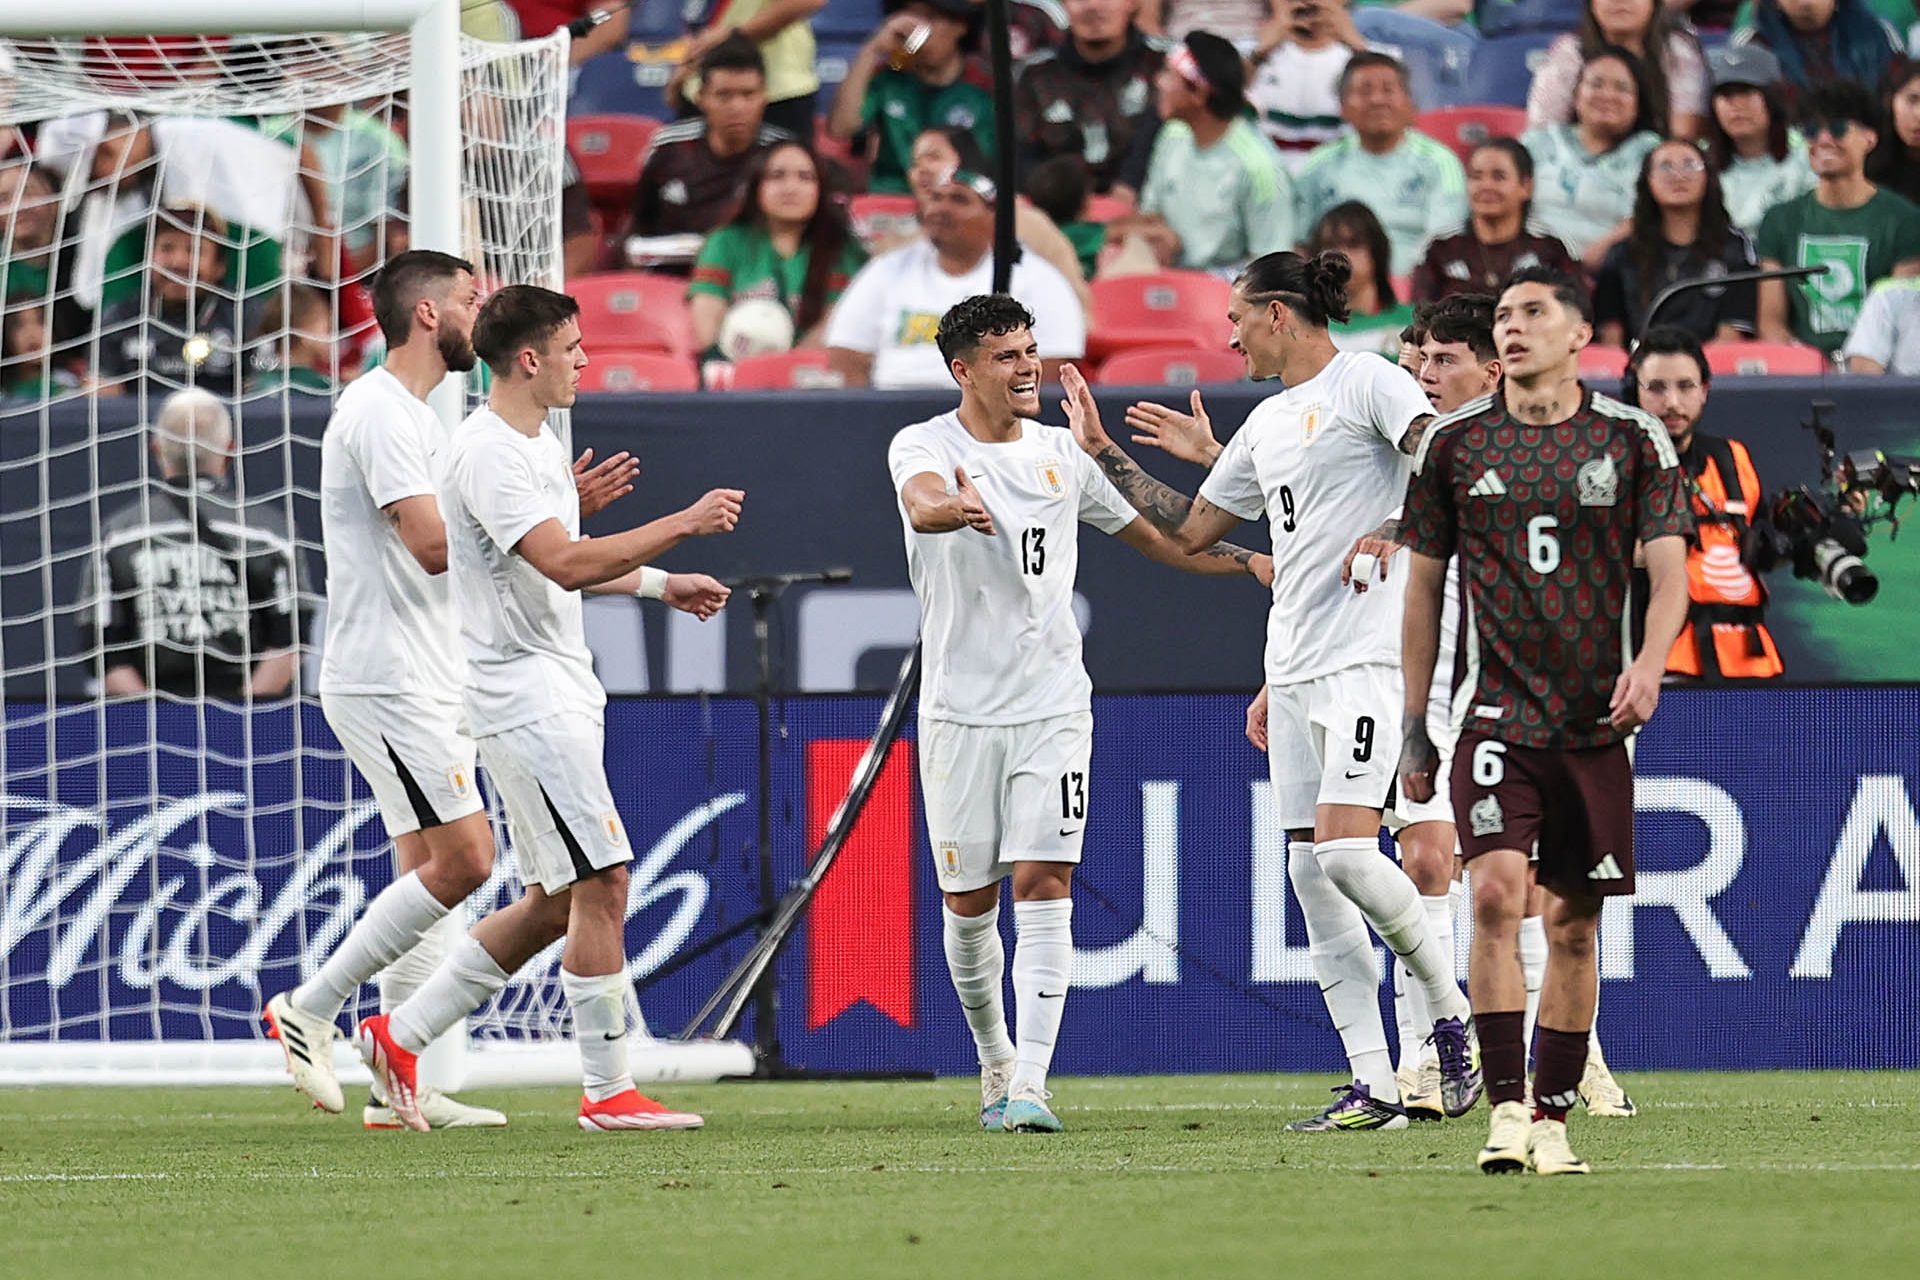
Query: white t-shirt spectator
point(1297, 93)
point(891, 311)
point(1888, 330)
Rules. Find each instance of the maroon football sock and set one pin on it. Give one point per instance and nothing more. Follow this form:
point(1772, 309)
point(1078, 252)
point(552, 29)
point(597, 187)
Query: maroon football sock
point(1560, 1061)
point(1503, 1055)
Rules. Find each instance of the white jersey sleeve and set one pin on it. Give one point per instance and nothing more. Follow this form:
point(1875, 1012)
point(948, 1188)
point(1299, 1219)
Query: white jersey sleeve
point(911, 454)
point(394, 463)
point(507, 501)
point(1234, 483)
point(1391, 399)
point(1101, 505)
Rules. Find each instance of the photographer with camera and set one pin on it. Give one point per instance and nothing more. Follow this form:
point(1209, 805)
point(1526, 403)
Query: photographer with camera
point(1726, 637)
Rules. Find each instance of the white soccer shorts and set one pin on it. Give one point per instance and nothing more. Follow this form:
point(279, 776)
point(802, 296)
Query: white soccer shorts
point(414, 752)
point(552, 777)
point(1000, 794)
point(1334, 739)
point(1440, 729)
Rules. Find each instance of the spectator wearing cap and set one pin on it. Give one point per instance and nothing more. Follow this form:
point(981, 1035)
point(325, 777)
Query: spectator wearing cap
point(1819, 40)
point(1668, 50)
point(1413, 184)
point(783, 32)
point(1296, 80)
point(1760, 160)
point(190, 593)
point(1093, 94)
point(911, 75)
point(184, 329)
point(882, 332)
point(695, 170)
point(1895, 163)
point(1886, 338)
point(1217, 194)
point(1858, 232)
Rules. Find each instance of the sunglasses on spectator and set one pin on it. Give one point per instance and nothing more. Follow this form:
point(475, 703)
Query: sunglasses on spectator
point(1837, 129)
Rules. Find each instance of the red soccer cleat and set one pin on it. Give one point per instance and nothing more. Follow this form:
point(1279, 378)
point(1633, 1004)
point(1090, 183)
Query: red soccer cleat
point(632, 1110)
point(397, 1069)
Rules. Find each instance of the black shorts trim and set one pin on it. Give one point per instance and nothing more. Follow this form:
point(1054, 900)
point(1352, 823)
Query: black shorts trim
point(581, 867)
point(422, 811)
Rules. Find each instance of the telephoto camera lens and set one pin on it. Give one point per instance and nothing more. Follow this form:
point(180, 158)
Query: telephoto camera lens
point(1844, 575)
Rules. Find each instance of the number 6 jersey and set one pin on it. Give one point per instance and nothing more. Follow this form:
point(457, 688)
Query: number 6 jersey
point(998, 637)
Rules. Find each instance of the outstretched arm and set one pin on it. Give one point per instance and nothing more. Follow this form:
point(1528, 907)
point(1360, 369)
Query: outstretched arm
point(1220, 557)
point(931, 509)
point(578, 564)
point(1419, 650)
point(1191, 525)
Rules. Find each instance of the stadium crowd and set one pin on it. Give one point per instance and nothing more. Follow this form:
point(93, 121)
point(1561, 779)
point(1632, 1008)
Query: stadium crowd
point(782, 231)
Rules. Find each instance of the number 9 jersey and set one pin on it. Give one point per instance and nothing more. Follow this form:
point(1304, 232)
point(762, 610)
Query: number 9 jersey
point(998, 638)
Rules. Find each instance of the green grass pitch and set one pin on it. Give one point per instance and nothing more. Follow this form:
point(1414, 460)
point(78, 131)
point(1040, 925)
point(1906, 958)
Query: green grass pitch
point(1749, 1176)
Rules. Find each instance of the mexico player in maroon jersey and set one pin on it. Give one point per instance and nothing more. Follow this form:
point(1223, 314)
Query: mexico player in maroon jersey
point(1544, 490)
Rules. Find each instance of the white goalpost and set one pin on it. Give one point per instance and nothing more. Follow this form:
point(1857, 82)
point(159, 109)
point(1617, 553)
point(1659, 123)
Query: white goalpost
point(169, 858)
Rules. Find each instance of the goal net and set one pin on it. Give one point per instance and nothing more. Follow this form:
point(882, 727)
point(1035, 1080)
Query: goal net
point(180, 836)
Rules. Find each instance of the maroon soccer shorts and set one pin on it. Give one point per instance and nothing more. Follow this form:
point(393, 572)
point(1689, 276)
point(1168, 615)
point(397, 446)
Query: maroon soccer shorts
point(1574, 807)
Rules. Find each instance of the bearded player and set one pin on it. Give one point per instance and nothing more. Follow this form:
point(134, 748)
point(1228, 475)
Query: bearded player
point(1543, 491)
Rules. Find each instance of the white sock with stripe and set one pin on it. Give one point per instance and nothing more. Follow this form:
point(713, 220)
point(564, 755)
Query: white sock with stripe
point(393, 923)
point(977, 962)
point(599, 1005)
point(1343, 963)
point(1533, 968)
point(1391, 905)
point(1042, 972)
point(468, 979)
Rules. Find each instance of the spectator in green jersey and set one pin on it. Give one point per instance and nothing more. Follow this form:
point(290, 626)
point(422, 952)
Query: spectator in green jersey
point(912, 74)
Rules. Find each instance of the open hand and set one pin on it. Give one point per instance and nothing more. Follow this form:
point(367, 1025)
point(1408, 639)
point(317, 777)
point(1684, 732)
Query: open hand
point(1187, 436)
point(1635, 695)
point(1257, 719)
point(1083, 415)
point(972, 509)
point(716, 512)
point(696, 593)
point(601, 486)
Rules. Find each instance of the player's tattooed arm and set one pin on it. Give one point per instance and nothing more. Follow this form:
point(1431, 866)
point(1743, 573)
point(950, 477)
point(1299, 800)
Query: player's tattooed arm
point(1214, 558)
point(1416, 432)
point(1165, 506)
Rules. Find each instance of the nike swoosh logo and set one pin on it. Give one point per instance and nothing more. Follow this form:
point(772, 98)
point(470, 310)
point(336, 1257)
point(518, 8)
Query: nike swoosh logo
point(1351, 775)
point(1067, 831)
point(613, 1035)
point(1053, 995)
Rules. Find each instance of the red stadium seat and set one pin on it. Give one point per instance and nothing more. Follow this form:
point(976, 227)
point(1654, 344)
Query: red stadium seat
point(1173, 367)
point(1597, 361)
point(804, 370)
point(608, 150)
point(634, 309)
point(1154, 310)
point(1765, 357)
point(1461, 129)
point(621, 369)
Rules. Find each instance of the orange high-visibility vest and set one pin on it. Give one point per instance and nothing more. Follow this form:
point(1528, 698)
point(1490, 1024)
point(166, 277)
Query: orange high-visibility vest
point(1728, 599)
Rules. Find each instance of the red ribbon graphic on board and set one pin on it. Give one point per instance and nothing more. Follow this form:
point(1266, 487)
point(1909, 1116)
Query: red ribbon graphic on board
point(860, 929)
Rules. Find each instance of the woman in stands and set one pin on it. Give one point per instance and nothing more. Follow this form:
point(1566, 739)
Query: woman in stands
point(1496, 240)
point(789, 242)
point(1895, 163)
point(1675, 67)
point(1375, 313)
point(1680, 232)
point(1761, 162)
point(1584, 172)
point(1823, 40)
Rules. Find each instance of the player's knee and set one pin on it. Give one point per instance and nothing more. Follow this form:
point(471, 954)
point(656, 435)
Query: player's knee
point(1042, 881)
point(1497, 904)
point(607, 888)
point(1428, 863)
point(1572, 933)
point(468, 865)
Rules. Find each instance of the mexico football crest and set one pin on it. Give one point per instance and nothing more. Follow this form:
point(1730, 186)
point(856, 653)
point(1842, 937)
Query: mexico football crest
point(1053, 476)
point(1486, 817)
point(1598, 483)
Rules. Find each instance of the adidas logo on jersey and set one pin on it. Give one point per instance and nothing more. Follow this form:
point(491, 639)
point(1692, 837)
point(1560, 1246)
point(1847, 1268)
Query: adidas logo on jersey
point(1489, 485)
point(1608, 869)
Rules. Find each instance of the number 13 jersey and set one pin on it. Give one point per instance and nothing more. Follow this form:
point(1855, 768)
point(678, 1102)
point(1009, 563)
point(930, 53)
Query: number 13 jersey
point(999, 643)
point(1322, 462)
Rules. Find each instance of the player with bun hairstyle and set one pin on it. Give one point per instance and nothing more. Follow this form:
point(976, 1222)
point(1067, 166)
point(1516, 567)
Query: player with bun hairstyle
point(1326, 462)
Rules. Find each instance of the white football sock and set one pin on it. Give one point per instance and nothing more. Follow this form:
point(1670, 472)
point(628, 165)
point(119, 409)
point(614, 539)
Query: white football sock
point(1533, 968)
point(1042, 971)
point(393, 923)
point(977, 962)
point(1409, 1016)
point(1593, 1032)
point(410, 972)
point(1371, 881)
point(467, 980)
point(1439, 910)
point(1342, 956)
point(599, 1005)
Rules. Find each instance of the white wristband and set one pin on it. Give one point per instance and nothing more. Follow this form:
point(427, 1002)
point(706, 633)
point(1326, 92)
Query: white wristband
point(653, 583)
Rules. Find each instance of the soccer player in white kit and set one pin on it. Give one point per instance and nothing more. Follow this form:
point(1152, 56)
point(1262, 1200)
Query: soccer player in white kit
point(518, 564)
point(391, 676)
point(1326, 461)
point(990, 504)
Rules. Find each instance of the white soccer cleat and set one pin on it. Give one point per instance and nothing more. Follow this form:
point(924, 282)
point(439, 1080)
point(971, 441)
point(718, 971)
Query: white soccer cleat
point(1506, 1149)
point(1601, 1092)
point(1420, 1090)
point(994, 1079)
point(307, 1042)
point(1548, 1152)
point(632, 1110)
point(440, 1110)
